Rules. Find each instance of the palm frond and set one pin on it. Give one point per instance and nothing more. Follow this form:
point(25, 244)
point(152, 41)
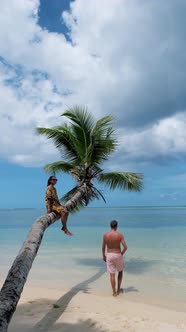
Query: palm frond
point(97, 194)
point(63, 140)
point(80, 204)
point(59, 166)
point(103, 141)
point(80, 117)
point(122, 180)
point(103, 125)
point(90, 194)
point(82, 123)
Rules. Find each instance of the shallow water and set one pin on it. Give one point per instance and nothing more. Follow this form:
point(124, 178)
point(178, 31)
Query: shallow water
point(155, 260)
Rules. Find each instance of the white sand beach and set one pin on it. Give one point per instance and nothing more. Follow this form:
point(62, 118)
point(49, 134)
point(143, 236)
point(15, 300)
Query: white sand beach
point(80, 309)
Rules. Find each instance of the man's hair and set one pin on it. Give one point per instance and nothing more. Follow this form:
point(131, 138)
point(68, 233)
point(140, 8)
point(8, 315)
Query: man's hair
point(113, 224)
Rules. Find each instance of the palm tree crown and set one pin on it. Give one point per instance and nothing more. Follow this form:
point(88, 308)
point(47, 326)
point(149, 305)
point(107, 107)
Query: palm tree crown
point(84, 144)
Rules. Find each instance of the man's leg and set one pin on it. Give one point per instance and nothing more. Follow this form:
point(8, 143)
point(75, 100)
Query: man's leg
point(120, 277)
point(113, 283)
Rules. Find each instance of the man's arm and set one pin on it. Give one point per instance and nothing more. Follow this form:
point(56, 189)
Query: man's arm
point(103, 248)
point(124, 245)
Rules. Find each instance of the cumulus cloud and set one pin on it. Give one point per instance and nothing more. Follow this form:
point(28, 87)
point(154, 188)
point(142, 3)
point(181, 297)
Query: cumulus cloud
point(124, 57)
point(165, 139)
point(140, 49)
point(25, 106)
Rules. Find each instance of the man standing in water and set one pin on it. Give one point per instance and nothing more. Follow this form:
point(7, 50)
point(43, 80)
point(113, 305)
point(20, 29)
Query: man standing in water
point(114, 258)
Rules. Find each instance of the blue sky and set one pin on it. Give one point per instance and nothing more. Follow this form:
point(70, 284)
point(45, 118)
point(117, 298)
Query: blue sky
point(120, 57)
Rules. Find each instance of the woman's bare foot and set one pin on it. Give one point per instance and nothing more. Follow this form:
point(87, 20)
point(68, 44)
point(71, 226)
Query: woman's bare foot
point(66, 231)
point(114, 294)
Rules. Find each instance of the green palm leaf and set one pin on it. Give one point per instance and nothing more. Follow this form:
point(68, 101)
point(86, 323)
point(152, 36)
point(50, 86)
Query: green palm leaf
point(63, 140)
point(122, 180)
point(59, 166)
point(84, 144)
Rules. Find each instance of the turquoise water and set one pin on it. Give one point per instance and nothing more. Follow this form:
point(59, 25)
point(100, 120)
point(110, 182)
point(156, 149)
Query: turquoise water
point(155, 260)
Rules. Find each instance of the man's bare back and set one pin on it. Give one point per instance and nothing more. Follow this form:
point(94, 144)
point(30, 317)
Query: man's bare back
point(113, 240)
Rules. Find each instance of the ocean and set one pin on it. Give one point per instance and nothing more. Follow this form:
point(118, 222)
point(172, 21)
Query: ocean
point(155, 262)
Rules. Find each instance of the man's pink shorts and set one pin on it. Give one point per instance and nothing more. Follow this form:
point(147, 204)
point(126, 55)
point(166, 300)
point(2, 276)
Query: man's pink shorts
point(114, 262)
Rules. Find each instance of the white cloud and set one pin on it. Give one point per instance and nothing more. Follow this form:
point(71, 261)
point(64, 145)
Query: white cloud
point(126, 58)
point(172, 196)
point(22, 110)
point(166, 138)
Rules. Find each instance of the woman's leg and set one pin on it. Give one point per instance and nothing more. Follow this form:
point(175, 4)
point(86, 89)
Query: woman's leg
point(64, 217)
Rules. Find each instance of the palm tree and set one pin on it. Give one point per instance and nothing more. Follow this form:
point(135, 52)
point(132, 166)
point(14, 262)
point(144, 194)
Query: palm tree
point(84, 145)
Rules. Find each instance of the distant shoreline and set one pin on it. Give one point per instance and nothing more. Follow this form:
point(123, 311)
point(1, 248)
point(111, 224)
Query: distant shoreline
point(108, 207)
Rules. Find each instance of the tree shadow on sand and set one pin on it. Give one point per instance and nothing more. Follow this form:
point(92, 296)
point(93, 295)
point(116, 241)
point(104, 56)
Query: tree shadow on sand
point(55, 310)
point(80, 326)
point(59, 307)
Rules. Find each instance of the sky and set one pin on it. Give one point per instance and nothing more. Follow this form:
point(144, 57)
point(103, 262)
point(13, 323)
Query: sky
point(120, 57)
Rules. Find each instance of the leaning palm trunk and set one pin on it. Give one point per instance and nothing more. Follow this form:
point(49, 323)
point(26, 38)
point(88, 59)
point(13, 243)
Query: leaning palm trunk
point(17, 276)
point(18, 273)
